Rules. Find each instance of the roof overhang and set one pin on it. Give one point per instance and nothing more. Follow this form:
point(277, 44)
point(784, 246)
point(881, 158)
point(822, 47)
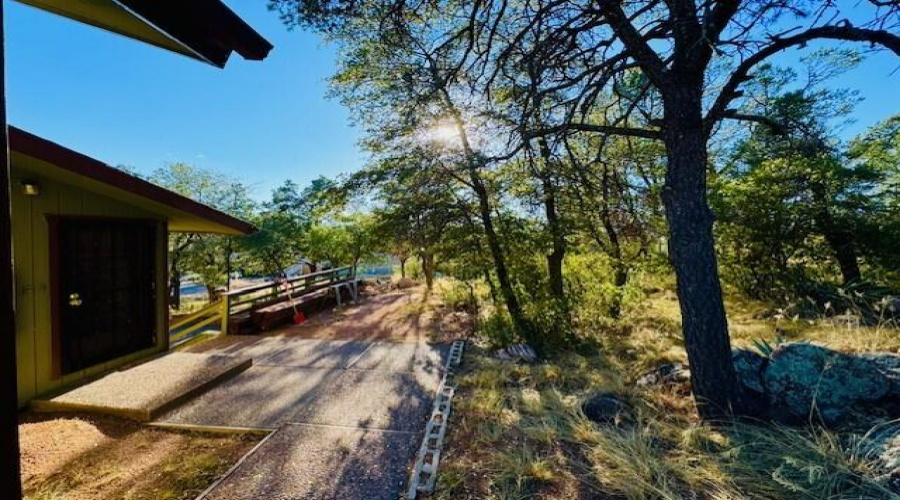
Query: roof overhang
point(38, 155)
point(203, 29)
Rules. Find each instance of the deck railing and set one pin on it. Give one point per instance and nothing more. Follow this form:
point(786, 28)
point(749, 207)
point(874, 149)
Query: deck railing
point(188, 327)
point(242, 300)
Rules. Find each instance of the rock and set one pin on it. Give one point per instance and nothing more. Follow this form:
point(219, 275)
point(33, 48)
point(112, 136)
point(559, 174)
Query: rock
point(606, 408)
point(847, 320)
point(749, 368)
point(801, 378)
point(892, 307)
point(518, 352)
point(882, 446)
point(889, 365)
point(669, 373)
point(405, 283)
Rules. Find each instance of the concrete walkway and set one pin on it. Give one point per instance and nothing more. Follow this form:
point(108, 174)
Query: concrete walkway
point(348, 416)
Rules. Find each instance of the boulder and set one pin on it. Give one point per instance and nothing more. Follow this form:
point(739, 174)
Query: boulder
point(518, 352)
point(882, 447)
point(749, 368)
point(406, 282)
point(669, 373)
point(802, 380)
point(606, 408)
point(889, 365)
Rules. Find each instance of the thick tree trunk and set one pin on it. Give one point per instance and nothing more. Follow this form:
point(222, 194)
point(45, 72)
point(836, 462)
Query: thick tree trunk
point(555, 267)
point(402, 267)
point(692, 253)
point(845, 253)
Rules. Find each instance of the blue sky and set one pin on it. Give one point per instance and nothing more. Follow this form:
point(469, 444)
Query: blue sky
point(127, 103)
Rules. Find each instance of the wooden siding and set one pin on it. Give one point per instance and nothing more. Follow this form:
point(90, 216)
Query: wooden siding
point(32, 268)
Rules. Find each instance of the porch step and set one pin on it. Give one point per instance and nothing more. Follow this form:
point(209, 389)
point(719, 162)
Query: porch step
point(145, 391)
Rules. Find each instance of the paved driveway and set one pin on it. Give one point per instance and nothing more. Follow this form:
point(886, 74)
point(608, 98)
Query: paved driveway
point(349, 416)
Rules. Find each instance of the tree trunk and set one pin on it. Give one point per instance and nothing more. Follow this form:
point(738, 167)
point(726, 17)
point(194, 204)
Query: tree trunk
point(506, 290)
point(491, 287)
point(845, 253)
point(428, 269)
point(692, 254)
point(620, 279)
point(473, 164)
point(840, 241)
point(403, 267)
point(620, 270)
point(212, 293)
point(557, 255)
point(174, 286)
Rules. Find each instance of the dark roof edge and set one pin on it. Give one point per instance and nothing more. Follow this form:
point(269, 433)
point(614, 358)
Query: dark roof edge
point(209, 28)
point(37, 147)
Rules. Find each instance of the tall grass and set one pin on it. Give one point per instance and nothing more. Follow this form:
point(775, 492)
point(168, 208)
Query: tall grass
point(533, 440)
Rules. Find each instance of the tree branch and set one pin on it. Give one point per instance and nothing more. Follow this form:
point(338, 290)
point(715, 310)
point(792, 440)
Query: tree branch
point(837, 32)
point(775, 125)
point(639, 49)
point(590, 127)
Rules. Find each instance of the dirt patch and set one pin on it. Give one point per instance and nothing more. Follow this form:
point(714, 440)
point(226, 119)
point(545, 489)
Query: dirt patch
point(89, 457)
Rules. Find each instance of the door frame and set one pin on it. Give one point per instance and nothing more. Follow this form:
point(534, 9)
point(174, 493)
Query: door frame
point(53, 223)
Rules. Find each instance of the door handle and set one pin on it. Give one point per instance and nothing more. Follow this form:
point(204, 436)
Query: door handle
point(75, 300)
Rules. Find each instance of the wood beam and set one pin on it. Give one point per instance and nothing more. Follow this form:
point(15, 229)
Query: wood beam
point(10, 477)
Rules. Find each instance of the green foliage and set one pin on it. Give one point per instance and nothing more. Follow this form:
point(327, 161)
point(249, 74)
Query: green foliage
point(342, 241)
point(208, 257)
point(497, 330)
point(798, 209)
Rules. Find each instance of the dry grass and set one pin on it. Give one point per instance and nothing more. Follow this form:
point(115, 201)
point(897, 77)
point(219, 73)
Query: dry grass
point(83, 457)
point(518, 432)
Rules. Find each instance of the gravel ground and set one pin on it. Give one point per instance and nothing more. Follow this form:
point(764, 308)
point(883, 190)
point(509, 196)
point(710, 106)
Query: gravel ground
point(349, 392)
point(313, 462)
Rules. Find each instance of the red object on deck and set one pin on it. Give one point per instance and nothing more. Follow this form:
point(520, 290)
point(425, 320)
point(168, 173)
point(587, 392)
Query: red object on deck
point(299, 318)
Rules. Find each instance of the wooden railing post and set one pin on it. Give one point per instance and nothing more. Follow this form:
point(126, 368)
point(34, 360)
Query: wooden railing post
point(225, 312)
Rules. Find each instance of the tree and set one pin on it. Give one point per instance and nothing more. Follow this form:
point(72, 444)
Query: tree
point(207, 255)
point(416, 206)
point(345, 240)
point(694, 57)
point(781, 186)
point(878, 150)
point(393, 74)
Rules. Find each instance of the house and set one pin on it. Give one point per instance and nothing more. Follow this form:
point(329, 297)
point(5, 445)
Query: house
point(202, 29)
point(90, 246)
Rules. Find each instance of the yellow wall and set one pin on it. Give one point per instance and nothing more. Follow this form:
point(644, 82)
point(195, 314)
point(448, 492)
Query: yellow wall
point(32, 269)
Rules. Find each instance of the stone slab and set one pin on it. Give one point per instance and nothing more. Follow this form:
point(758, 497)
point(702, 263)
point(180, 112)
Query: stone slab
point(144, 391)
